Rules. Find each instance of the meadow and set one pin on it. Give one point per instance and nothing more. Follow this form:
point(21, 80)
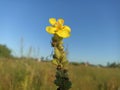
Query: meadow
point(28, 74)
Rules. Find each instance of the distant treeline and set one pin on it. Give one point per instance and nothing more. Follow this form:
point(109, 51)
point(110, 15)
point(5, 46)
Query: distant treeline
point(112, 65)
point(5, 52)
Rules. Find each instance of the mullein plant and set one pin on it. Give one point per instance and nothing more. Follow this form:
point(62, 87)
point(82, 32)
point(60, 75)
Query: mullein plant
point(59, 31)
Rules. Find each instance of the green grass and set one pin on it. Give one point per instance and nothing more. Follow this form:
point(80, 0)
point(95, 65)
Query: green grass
point(26, 74)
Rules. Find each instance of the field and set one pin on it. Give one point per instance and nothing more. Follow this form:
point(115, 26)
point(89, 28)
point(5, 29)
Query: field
point(26, 74)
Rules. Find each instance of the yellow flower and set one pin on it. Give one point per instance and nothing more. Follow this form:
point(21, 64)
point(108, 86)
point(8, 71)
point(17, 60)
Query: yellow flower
point(58, 28)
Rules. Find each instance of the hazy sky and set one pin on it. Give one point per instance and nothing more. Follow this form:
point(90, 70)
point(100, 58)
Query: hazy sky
point(95, 27)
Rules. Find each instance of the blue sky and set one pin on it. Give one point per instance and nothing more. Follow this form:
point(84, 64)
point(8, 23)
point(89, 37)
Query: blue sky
point(95, 27)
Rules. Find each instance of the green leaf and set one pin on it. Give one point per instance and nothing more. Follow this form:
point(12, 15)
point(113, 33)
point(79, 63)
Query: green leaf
point(64, 59)
point(54, 61)
point(68, 85)
point(65, 63)
point(57, 52)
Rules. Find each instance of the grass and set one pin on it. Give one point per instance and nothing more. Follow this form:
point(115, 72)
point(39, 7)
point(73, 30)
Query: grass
point(26, 74)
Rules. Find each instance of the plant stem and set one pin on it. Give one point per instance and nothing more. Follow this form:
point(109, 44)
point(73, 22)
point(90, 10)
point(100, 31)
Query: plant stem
point(62, 79)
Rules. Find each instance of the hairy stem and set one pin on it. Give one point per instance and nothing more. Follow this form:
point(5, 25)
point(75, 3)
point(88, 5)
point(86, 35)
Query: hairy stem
point(62, 79)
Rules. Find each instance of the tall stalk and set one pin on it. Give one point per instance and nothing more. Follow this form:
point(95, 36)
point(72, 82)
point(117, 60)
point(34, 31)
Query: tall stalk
point(59, 32)
point(60, 59)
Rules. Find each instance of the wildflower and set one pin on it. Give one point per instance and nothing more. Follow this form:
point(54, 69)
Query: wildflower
point(59, 31)
point(58, 28)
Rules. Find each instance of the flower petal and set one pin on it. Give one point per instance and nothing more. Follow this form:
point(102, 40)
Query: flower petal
point(52, 21)
point(61, 21)
point(67, 28)
point(63, 34)
point(50, 29)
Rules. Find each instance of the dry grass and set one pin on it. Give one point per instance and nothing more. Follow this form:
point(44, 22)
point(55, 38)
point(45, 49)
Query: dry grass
point(33, 75)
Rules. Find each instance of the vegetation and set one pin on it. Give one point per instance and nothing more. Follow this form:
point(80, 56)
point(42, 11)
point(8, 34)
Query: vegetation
point(26, 74)
point(5, 51)
point(29, 74)
point(60, 31)
point(113, 65)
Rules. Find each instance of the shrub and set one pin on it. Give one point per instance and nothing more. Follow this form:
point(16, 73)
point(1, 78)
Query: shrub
point(5, 51)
